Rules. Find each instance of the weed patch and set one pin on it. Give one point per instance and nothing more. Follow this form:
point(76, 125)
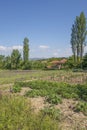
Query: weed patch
point(17, 114)
point(81, 107)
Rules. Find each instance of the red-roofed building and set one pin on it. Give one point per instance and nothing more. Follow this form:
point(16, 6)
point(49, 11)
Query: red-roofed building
point(57, 64)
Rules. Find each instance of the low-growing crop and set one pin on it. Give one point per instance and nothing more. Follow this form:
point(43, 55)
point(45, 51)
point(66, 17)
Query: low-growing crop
point(54, 99)
point(53, 90)
point(52, 112)
point(81, 107)
point(16, 88)
point(36, 93)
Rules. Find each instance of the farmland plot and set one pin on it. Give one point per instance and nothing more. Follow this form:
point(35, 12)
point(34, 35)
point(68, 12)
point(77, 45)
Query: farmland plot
point(53, 97)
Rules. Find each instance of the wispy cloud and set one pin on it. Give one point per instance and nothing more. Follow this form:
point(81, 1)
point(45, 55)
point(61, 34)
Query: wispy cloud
point(41, 51)
point(43, 47)
point(4, 50)
point(17, 47)
point(55, 54)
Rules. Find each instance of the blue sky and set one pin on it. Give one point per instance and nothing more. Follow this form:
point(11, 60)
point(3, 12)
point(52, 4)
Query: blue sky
point(47, 24)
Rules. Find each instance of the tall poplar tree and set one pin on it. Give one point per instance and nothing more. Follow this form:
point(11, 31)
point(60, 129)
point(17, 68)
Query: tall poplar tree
point(78, 36)
point(82, 33)
point(73, 42)
point(26, 50)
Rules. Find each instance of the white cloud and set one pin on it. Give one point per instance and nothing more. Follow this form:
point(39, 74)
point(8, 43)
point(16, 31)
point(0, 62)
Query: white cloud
point(55, 54)
point(7, 50)
point(17, 47)
point(4, 48)
point(43, 47)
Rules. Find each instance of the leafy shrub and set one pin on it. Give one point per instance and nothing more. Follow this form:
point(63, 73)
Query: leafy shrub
point(67, 91)
point(81, 107)
point(82, 92)
point(16, 88)
point(54, 99)
point(36, 93)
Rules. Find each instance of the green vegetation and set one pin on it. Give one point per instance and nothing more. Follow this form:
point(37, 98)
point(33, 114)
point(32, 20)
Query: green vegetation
point(54, 75)
point(26, 50)
point(78, 37)
point(54, 91)
point(54, 99)
point(16, 88)
point(15, 59)
point(84, 62)
point(16, 113)
point(55, 86)
point(52, 112)
point(81, 107)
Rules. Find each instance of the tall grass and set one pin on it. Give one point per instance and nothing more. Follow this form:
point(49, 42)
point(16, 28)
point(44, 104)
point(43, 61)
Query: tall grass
point(16, 113)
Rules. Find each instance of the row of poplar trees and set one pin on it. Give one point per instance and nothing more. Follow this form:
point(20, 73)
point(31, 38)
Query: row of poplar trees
point(78, 37)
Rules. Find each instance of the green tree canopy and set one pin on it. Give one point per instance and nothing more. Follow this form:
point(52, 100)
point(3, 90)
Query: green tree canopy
point(78, 37)
point(26, 49)
point(15, 58)
point(84, 63)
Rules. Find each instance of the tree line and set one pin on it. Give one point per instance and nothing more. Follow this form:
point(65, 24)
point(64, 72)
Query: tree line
point(15, 60)
point(78, 43)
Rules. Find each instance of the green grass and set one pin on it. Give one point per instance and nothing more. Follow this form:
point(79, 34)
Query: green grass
point(81, 107)
point(52, 112)
point(17, 114)
point(10, 76)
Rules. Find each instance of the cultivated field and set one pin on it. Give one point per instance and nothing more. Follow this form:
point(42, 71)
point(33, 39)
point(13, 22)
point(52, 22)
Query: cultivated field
point(43, 100)
point(7, 77)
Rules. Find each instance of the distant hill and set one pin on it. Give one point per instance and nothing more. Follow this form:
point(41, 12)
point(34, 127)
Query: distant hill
point(37, 58)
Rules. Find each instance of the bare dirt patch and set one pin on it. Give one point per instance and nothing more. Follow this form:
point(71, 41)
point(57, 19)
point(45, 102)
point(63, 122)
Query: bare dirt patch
point(37, 103)
point(24, 90)
point(71, 120)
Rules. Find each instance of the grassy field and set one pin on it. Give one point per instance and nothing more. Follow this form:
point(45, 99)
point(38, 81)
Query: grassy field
point(43, 100)
point(7, 77)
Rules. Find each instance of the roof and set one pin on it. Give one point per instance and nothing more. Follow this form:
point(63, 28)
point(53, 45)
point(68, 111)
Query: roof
point(59, 61)
point(49, 67)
